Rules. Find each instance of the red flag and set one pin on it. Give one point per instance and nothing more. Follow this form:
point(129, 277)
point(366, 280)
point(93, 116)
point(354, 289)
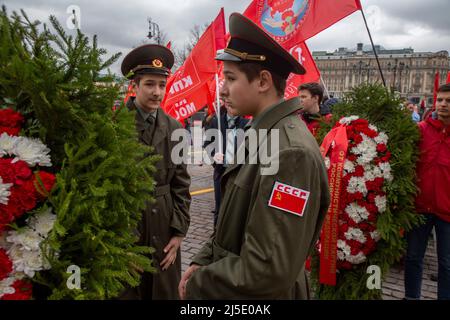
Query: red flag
point(436, 87)
point(130, 91)
point(448, 78)
point(302, 53)
point(169, 44)
point(422, 103)
point(187, 89)
point(292, 21)
point(220, 31)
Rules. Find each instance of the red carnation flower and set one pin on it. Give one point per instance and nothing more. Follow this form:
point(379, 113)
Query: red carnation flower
point(27, 196)
point(5, 264)
point(9, 131)
point(359, 171)
point(48, 180)
point(387, 157)
point(360, 123)
point(10, 122)
point(14, 172)
point(358, 138)
point(381, 148)
point(351, 157)
point(23, 291)
point(344, 265)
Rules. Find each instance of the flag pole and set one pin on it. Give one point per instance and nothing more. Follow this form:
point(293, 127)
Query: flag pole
point(373, 47)
point(217, 109)
point(325, 87)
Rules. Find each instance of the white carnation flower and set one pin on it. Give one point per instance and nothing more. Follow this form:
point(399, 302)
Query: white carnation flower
point(4, 192)
point(375, 235)
point(372, 127)
point(348, 120)
point(369, 175)
point(349, 166)
point(6, 286)
point(42, 222)
point(355, 234)
point(359, 258)
point(7, 143)
point(344, 247)
point(380, 202)
point(385, 167)
point(25, 238)
point(27, 262)
point(357, 184)
point(377, 172)
point(367, 150)
point(382, 138)
point(32, 151)
point(357, 213)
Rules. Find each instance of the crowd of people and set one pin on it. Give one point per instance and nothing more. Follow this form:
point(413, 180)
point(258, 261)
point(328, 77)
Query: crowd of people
point(260, 243)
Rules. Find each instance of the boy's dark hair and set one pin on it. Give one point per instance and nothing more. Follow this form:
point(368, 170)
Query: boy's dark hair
point(314, 89)
point(137, 78)
point(252, 70)
point(444, 88)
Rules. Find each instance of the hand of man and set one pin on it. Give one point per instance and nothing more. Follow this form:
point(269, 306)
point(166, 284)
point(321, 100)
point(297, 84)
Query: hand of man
point(171, 250)
point(184, 279)
point(218, 158)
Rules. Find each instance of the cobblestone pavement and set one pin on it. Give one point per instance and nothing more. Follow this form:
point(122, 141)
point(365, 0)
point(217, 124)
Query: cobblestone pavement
point(202, 226)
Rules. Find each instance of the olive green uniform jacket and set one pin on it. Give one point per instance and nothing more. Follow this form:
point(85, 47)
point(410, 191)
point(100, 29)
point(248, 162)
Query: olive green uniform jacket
point(258, 251)
point(169, 215)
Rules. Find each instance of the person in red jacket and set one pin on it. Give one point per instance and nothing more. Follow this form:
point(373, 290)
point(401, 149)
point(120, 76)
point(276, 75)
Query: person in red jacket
point(433, 200)
point(311, 95)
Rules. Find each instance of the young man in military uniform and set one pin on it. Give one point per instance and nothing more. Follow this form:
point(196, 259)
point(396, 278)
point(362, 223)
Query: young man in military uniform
point(164, 223)
point(268, 224)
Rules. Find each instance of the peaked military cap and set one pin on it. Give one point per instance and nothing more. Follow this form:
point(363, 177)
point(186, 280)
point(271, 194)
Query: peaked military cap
point(148, 59)
point(249, 43)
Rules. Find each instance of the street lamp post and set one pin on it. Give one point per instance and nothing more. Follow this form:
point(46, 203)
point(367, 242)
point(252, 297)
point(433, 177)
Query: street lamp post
point(357, 68)
point(400, 69)
point(153, 31)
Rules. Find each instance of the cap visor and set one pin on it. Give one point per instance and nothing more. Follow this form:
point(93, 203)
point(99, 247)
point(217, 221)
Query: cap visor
point(223, 56)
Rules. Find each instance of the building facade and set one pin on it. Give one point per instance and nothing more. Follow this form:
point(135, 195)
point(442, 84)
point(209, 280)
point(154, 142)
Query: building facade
point(411, 74)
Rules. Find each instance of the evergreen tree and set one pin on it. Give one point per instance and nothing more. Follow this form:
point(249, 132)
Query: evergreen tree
point(104, 178)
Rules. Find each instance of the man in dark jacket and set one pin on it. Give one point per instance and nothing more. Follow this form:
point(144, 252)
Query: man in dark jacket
point(165, 222)
point(229, 124)
point(311, 95)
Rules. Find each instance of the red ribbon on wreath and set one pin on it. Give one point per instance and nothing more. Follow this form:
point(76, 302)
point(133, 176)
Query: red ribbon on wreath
point(335, 143)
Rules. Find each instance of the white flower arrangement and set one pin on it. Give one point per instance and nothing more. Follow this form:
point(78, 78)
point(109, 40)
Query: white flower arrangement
point(357, 213)
point(348, 120)
point(381, 202)
point(26, 245)
point(355, 234)
point(30, 150)
point(349, 167)
point(357, 184)
point(368, 157)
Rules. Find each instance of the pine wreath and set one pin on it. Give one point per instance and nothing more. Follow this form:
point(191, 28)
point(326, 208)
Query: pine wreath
point(386, 204)
point(61, 86)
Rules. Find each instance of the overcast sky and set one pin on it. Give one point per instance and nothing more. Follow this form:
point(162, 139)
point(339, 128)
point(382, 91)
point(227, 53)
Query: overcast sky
point(120, 25)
